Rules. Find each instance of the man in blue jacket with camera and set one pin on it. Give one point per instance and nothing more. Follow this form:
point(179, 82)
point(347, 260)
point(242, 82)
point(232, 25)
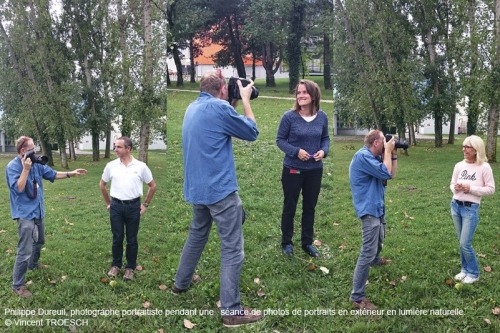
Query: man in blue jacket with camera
point(24, 175)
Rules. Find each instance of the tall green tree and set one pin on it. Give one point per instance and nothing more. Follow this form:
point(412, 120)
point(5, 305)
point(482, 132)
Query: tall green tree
point(294, 37)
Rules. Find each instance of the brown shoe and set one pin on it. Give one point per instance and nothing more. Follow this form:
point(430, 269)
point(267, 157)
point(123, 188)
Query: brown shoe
point(176, 291)
point(247, 316)
point(383, 262)
point(23, 292)
point(113, 272)
point(365, 304)
point(129, 274)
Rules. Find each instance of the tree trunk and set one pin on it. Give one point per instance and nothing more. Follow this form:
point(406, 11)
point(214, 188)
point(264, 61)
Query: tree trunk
point(147, 89)
point(494, 111)
point(192, 69)
point(326, 62)
point(236, 48)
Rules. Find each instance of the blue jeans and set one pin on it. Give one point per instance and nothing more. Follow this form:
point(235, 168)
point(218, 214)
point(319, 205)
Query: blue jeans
point(309, 182)
point(227, 214)
point(465, 220)
point(31, 239)
point(125, 218)
point(373, 229)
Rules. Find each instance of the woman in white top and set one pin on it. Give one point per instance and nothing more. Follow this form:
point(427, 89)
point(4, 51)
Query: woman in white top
point(472, 178)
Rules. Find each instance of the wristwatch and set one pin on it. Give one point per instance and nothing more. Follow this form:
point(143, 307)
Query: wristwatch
point(145, 204)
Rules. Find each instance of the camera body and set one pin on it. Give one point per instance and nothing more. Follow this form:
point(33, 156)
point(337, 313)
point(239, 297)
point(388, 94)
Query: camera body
point(40, 159)
point(234, 90)
point(397, 143)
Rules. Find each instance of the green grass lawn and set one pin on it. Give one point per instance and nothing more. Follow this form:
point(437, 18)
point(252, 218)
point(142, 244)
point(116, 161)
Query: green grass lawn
point(420, 240)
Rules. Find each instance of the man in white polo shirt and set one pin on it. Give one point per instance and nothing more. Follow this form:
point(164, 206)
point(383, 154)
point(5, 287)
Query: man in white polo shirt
point(127, 176)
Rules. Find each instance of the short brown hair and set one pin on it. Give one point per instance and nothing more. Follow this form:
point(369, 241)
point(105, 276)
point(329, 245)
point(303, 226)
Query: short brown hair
point(127, 142)
point(371, 137)
point(313, 90)
point(21, 142)
point(212, 82)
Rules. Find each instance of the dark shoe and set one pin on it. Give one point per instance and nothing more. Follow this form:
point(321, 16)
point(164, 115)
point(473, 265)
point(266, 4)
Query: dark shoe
point(364, 304)
point(22, 292)
point(176, 291)
point(247, 316)
point(288, 250)
point(383, 262)
point(311, 250)
point(39, 266)
point(113, 272)
point(129, 274)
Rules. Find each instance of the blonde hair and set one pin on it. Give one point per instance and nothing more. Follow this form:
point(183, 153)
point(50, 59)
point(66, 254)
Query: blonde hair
point(21, 142)
point(371, 137)
point(477, 143)
point(212, 82)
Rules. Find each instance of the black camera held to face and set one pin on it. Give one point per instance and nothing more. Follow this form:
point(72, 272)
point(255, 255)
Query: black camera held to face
point(397, 143)
point(36, 158)
point(234, 90)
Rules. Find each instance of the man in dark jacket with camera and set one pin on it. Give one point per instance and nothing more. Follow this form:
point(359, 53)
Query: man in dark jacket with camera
point(24, 175)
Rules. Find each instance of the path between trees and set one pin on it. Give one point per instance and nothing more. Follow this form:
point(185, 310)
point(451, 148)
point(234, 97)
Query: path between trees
point(260, 96)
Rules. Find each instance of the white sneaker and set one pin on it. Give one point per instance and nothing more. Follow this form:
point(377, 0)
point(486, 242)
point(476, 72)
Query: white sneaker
point(469, 279)
point(460, 276)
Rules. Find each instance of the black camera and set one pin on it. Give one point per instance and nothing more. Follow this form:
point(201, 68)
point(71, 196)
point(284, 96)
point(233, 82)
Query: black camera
point(397, 143)
point(36, 158)
point(234, 90)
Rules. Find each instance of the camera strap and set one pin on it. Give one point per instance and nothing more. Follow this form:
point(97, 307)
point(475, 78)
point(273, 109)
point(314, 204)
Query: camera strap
point(35, 190)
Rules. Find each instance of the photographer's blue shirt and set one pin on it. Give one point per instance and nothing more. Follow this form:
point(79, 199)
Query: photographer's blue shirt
point(295, 133)
point(366, 175)
point(207, 130)
point(21, 205)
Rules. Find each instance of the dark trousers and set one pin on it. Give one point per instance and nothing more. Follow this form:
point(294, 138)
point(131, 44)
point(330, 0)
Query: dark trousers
point(124, 218)
point(309, 182)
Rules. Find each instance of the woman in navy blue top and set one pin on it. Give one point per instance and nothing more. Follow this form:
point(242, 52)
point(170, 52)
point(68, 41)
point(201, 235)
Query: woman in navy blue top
point(303, 137)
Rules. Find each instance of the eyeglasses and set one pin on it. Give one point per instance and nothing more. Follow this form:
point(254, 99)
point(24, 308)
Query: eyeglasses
point(467, 147)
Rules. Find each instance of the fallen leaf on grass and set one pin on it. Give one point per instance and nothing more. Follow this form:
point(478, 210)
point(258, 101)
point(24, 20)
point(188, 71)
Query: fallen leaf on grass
point(260, 293)
point(311, 267)
point(324, 270)
point(317, 242)
point(156, 259)
point(495, 310)
point(218, 303)
point(8, 251)
point(104, 280)
point(161, 330)
point(162, 287)
point(256, 280)
point(188, 324)
point(449, 282)
point(403, 278)
point(480, 255)
point(393, 283)
point(342, 246)
point(30, 282)
point(487, 269)
point(53, 281)
point(408, 216)
point(335, 224)
point(138, 268)
point(487, 321)
point(66, 220)
point(63, 277)
point(146, 305)
point(2, 231)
